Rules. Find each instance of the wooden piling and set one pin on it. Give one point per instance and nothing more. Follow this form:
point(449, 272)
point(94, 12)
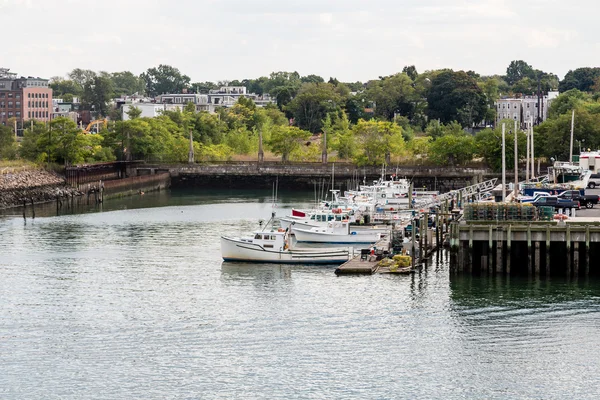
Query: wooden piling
point(537, 258)
point(529, 254)
point(548, 250)
point(25, 211)
point(499, 251)
point(470, 255)
point(587, 251)
point(508, 247)
point(490, 250)
point(569, 250)
point(576, 259)
point(32, 209)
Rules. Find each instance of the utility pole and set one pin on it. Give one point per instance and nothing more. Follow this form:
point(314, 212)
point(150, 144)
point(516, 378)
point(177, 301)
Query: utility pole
point(261, 153)
point(503, 162)
point(527, 157)
point(532, 155)
point(191, 158)
point(516, 188)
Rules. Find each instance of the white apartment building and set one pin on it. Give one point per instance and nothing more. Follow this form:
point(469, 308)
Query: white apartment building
point(524, 109)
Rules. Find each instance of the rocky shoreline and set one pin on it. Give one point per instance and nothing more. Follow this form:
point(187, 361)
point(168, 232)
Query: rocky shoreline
point(34, 185)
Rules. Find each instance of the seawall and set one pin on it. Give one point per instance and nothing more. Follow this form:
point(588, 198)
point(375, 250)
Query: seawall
point(136, 184)
point(31, 185)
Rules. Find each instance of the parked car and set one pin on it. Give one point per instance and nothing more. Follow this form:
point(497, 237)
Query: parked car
point(553, 201)
point(594, 181)
point(587, 200)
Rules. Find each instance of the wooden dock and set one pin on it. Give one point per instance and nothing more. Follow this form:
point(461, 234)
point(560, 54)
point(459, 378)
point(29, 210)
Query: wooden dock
point(359, 266)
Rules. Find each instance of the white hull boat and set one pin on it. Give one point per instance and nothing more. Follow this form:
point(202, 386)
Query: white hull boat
point(336, 232)
point(271, 247)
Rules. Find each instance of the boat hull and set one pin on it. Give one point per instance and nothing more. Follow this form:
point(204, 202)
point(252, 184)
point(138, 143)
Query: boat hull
point(233, 249)
point(303, 235)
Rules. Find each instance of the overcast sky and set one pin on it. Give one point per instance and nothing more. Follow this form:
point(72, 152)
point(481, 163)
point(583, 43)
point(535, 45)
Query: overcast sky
point(348, 39)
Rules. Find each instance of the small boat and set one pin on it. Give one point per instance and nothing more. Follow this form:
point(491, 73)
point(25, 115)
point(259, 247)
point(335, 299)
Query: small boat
point(273, 247)
point(336, 232)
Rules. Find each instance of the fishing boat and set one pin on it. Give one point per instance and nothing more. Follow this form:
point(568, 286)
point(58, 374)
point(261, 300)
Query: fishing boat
point(273, 247)
point(336, 232)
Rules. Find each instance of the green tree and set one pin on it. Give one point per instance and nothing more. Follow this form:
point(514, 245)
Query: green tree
point(8, 145)
point(164, 79)
point(489, 145)
point(81, 76)
point(312, 79)
point(517, 70)
point(452, 149)
point(64, 142)
point(126, 83)
point(455, 96)
point(377, 141)
point(411, 71)
point(311, 105)
point(582, 79)
point(134, 112)
point(62, 87)
point(283, 86)
point(203, 87)
point(566, 102)
point(285, 139)
point(97, 93)
point(392, 95)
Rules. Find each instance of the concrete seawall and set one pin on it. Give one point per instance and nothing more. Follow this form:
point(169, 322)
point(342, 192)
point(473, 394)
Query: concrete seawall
point(136, 184)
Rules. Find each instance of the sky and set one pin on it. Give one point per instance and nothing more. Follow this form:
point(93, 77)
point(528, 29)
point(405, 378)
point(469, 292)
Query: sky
point(352, 40)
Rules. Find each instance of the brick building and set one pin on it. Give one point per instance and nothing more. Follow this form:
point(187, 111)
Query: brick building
point(24, 99)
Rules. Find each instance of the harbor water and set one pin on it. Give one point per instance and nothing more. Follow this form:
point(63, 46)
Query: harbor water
point(132, 301)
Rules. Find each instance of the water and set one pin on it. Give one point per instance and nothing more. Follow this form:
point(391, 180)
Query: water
point(134, 303)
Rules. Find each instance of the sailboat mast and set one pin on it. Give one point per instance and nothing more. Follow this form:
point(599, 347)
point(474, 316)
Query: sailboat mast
point(572, 129)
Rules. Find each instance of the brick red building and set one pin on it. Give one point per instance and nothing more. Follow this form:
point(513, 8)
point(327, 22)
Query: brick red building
point(24, 99)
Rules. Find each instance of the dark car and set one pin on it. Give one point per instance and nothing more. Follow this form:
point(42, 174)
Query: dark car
point(585, 200)
point(553, 201)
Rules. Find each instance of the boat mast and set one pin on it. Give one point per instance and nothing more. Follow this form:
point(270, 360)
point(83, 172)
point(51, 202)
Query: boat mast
point(572, 128)
point(516, 188)
point(503, 162)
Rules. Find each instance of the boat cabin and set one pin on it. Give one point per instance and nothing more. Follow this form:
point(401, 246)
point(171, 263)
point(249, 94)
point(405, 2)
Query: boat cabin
point(274, 240)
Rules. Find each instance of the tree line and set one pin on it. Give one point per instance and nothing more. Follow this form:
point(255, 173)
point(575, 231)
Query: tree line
point(408, 117)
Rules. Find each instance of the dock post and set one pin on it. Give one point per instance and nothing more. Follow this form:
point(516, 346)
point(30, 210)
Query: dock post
point(421, 252)
point(569, 250)
point(537, 258)
point(32, 209)
point(470, 262)
point(437, 230)
point(490, 250)
point(529, 255)
point(413, 237)
point(499, 251)
point(576, 259)
point(25, 211)
point(508, 249)
point(587, 251)
point(547, 250)
point(426, 220)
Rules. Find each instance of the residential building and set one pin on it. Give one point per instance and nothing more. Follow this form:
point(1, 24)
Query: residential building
point(524, 109)
point(24, 99)
point(150, 110)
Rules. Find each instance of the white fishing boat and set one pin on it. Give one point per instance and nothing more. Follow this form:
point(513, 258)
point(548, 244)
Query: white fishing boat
point(273, 247)
point(336, 232)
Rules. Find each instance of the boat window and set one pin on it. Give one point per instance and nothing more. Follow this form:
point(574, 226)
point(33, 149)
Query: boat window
point(258, 236)
point(273, 237)
point(313, 217)
point(270, 246)
point(330, 218)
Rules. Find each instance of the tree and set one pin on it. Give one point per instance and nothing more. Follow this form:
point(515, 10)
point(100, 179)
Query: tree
point(377, 141)
point(64, 142)
point(81, 76)
point(134, 112)
point(566, 102)
point(203, 87)
point(311, 105)
point(452, 149)
point(489, 145)
point(312, 79)
point(518, 70)
point(164, 79)
point(580, 78)
point(8, 145)
point(62, 87)
point(340, 136)
point(392, 95)
point(286, 139)
point(455, 96)
point(283, 86)
point(126, 83)
point(411, 71)
point(97, 93)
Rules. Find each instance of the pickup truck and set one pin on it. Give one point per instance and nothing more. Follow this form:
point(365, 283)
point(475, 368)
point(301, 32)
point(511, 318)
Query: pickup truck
point(587, 200)
point(553, 201)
